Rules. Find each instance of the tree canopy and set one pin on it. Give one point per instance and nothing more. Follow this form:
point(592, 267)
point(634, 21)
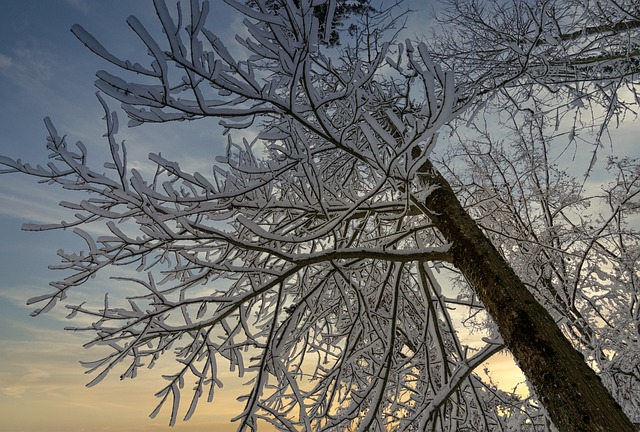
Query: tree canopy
point(324, 252)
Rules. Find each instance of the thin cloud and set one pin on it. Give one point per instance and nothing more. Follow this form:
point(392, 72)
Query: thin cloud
point(27, 202)
point(5, 61)
point(79, 4)
point(27, 66)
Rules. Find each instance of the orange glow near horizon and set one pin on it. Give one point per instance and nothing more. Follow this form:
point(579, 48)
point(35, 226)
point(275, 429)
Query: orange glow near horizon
point(43, 388)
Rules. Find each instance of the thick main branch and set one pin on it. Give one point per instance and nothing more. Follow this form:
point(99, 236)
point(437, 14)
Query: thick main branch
point(573, 394)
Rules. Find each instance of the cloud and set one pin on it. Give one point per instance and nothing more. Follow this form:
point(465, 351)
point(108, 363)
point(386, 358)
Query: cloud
point(79, 4)
point(5, 61)
point(30, 202)
point(27, 67)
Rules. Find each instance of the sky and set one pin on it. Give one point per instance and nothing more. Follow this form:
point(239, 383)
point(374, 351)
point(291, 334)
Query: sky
point(46, 71)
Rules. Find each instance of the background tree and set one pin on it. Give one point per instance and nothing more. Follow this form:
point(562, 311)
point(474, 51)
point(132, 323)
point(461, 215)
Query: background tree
point(308, 256)
point(557, 56)
point(574, 247)
point(549, 60)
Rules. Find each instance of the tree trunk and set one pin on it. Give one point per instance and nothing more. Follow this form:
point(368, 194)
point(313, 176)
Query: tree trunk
point(572, 393)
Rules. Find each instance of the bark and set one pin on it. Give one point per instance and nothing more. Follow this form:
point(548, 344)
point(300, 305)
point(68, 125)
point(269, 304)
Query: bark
point(570, 390)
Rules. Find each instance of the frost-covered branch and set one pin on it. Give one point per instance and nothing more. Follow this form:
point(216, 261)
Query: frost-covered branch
point(307, 258)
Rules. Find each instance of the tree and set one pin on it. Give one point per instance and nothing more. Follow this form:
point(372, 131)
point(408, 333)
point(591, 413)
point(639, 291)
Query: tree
point(309, 256)
point(546, 60)
point(564, 54)
point(577, 263)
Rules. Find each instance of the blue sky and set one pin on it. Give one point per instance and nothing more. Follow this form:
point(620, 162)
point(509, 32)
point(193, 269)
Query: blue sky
point(46, 71)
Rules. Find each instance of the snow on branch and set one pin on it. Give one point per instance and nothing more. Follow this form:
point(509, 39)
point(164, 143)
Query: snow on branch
point(299, 260)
